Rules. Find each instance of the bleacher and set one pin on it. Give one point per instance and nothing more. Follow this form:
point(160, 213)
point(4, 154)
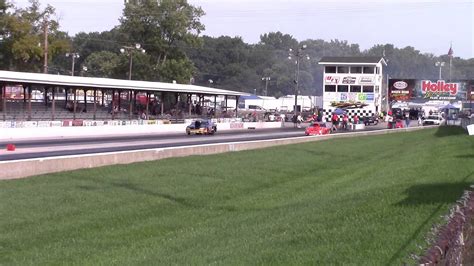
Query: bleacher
point(18, 111)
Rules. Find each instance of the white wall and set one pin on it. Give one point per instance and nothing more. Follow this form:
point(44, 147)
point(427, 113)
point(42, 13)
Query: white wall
point(90, 131)
point(286, 102)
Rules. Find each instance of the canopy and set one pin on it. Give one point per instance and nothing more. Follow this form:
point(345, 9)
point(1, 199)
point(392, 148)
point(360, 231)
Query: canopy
point(250, 97)
point(339, 111)
point(448, 106)
point(107, 83)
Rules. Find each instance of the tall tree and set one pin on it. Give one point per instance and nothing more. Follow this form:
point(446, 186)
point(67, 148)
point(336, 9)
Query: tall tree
point(4, 33)
point(164, 28)
point(102, 64)
point(86, 44)
point(23, 49)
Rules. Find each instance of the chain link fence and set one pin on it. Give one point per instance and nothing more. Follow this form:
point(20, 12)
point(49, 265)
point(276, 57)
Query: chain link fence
point(449, 246)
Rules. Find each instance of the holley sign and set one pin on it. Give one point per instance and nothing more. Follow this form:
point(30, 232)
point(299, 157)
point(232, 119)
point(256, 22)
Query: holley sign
point(422, 90)
point(439, 89)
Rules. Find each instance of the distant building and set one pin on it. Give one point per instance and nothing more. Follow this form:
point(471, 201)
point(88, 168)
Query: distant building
point(281, 104)
point(354, 84)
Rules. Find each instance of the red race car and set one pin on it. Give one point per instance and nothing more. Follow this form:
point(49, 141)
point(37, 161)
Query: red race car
point(317, 129)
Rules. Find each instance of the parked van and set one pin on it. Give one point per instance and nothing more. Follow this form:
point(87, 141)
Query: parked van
point(256, 108)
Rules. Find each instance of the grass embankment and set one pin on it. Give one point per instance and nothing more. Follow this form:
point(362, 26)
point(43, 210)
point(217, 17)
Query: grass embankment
point(366, 200)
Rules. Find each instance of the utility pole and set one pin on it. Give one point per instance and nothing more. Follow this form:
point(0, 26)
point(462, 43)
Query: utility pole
point(73, 56)
point(266, 85)
point(129, 51)
point(45, 66)
point(450, 55)
point(298, 54)
point(440, 65)
point(450, 65)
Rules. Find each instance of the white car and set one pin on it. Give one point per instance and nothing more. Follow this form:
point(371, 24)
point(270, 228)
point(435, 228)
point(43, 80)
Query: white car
point(433, 120)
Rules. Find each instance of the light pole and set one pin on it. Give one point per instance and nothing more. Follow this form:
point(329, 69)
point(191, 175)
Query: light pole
point(267, 79)
point(129, 51)
point(440, 65)
point(73, 57)
point(84, 69)
point(298, 54)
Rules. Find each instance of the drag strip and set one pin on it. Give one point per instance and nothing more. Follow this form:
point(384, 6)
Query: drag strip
point(62, 147)
point(43, 148)
point(128, 138)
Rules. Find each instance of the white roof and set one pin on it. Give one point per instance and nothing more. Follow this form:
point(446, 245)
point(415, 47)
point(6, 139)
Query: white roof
point(107, 83)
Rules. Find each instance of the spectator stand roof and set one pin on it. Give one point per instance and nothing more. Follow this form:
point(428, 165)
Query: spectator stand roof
point(250, 97)
point(107, 83)
point(352, 60)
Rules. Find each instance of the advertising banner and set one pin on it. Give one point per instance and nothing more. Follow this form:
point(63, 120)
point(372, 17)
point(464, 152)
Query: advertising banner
point(332, 80)
point(237, 125)
point(414, 90)
point(77, 123)
point(44, 123)
point(349, 80)
point(14, 92)
point(56, 123)
point(369, 80)
point(6, 124)
point(349, 99)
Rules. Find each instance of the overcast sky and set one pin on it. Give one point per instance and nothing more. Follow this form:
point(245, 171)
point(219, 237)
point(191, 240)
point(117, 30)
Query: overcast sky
point(429, 26)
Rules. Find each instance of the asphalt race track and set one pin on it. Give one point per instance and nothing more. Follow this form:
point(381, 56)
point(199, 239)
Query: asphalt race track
point(31, 149)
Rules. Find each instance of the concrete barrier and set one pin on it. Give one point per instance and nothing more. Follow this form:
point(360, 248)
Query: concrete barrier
point(31, 167)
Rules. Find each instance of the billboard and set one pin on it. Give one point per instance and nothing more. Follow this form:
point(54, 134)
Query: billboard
point(349, 99)
point(416, 90)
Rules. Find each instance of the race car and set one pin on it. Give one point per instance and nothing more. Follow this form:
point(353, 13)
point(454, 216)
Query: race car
point(201, 127)
point(370, 120)
point(317, 129)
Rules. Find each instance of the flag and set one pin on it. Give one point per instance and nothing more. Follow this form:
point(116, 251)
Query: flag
point(450, 52)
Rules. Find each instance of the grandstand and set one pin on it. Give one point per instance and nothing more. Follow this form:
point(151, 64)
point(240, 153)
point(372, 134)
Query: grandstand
point(44, 97)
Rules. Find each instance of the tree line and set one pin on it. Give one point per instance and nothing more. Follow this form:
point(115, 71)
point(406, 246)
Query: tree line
point(172, 49)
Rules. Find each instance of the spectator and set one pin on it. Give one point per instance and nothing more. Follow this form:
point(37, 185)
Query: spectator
point(407, 119)
point(335, 121)
point(299, 119)
point(345, 121)
point(271, 117)
point(389, 118)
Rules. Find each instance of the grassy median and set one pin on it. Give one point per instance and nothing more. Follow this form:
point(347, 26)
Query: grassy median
point(365, 200)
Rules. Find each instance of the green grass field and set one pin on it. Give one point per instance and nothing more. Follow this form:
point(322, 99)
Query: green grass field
point(365, 200)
